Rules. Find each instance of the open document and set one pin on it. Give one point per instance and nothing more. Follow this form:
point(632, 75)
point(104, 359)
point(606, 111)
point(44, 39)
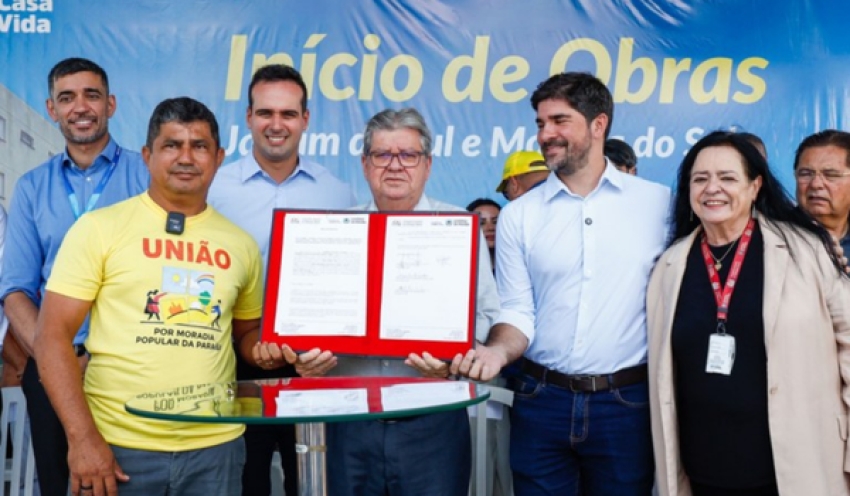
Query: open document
point(423, 297)
point(322, 280)
point(372, 283)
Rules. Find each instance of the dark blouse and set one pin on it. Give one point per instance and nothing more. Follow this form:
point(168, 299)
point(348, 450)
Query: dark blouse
point(723, 428)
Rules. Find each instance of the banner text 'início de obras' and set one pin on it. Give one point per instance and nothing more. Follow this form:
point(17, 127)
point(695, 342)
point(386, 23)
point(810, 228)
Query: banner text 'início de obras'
point(714, 80)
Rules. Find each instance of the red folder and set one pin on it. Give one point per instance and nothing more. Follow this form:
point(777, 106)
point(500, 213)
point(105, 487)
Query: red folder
point(371, 344)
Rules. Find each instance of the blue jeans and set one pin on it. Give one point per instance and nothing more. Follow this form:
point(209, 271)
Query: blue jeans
point(216, 470)
point(565, 443)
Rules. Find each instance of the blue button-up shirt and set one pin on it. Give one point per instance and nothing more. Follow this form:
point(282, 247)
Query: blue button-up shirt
point(40, 214)
point(245, 194)
point(572, 271)
point(4, 323)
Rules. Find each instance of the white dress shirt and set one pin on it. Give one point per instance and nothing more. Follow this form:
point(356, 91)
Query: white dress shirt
point(572, 272)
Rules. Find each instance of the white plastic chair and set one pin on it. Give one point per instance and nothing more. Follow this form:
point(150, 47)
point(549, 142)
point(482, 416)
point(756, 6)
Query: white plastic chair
point(19, 471)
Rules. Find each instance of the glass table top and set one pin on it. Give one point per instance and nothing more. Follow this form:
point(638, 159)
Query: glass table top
point(299, 400)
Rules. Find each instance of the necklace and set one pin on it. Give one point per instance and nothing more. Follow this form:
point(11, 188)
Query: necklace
point(718, 262)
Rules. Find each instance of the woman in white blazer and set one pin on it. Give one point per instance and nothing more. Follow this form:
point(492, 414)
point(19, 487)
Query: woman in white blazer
point(748, 314)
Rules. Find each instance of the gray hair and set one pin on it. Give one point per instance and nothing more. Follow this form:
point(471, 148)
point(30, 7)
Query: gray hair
point(392, 120)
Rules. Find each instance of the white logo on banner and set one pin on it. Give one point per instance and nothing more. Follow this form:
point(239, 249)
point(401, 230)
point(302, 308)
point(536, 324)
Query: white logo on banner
point(23, 16)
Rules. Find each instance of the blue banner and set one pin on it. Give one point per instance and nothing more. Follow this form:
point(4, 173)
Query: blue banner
point(676, 70)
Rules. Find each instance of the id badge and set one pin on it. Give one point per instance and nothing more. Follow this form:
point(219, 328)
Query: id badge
point(721, 354)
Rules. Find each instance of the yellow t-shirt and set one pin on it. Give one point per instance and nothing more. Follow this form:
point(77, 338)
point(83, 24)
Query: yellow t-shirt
point(162, 311)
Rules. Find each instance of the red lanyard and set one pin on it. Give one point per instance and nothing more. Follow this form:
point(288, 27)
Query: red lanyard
point(723, 295)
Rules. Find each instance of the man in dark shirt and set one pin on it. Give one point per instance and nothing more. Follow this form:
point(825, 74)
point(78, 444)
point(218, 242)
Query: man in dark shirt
point(822, 169)
point(621, 155)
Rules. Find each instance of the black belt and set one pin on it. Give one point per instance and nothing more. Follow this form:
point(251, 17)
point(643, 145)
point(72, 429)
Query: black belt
point(586, 383)
point(80, 349)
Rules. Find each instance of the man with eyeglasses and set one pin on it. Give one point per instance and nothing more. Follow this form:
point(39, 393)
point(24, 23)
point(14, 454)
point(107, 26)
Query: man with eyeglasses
point(426, 454)
point(822, 167)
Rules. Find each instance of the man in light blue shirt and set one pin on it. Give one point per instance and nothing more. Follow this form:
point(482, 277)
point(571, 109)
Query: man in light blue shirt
point(4, 323)
point(247, 191)
point(274, 175)
point(92, 172)
point(573, 260)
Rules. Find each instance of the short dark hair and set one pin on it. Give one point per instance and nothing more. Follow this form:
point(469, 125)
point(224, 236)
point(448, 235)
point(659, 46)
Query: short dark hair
point(829, 137)
point(619, 152)
point(74, 65)
point(582, 91)
point(183, 110)
point(277, 72)
point(481, 202)
point(772, 201)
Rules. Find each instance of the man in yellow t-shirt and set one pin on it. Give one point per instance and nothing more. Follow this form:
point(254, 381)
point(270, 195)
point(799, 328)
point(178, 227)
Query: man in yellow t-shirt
point(166, 303)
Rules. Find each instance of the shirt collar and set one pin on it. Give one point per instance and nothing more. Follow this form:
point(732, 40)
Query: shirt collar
point(423, 205)
point(613, 176)
point(538, 183)
point(107, 154)
point(553, 184)
point(250, 168)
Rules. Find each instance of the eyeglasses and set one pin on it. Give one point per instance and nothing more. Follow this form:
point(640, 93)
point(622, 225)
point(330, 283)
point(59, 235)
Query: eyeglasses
point(828, 175)
point(406, 159)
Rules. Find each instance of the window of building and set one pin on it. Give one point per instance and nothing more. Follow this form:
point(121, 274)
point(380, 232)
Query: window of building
point(2, 128)
point(2, 186)
point(27, 139)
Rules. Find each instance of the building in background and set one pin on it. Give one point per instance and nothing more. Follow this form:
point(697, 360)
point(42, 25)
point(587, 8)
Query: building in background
point(27, 139)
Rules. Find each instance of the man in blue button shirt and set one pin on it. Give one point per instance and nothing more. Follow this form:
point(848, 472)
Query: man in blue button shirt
point(92, 172)
point(273, 175)
point(573, 260)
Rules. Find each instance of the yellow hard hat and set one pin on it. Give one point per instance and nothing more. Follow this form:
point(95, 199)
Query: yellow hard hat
point(521, 162)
